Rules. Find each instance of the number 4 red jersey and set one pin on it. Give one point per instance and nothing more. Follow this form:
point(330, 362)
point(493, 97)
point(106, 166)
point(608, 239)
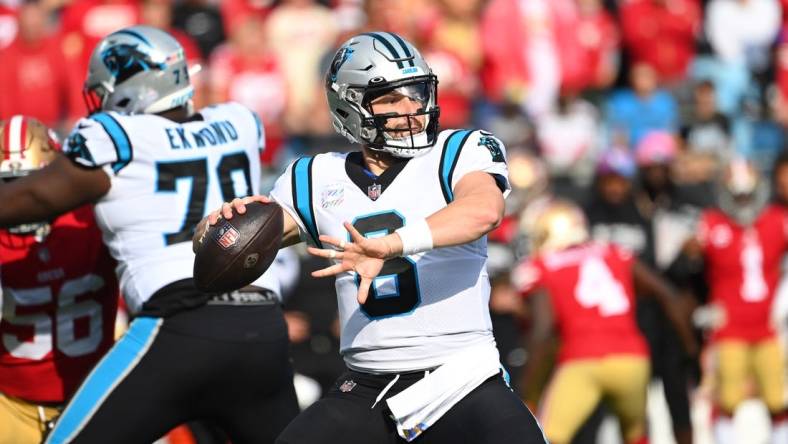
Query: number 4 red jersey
point(592, 296)
point(59, 301)
point(743, 269)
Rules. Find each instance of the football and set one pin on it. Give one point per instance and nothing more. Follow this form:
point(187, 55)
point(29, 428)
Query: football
point(233, 253)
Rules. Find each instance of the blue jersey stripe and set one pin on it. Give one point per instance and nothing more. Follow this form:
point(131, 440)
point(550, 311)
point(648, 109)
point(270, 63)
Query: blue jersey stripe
point(449, 157)
point(302, 196)
point(119, 139)
point(109, 372)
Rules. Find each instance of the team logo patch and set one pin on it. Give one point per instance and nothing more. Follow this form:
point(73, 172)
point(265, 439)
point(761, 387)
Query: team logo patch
point(227, 236)
point(77, 150)
point(374, 190)
point(332, 195)
point(347, 386)
point(492, 145)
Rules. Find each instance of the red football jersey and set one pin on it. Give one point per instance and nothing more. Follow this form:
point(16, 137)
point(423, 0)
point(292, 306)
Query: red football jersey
point(593, 300)
point(59, 300)
point(743, 269)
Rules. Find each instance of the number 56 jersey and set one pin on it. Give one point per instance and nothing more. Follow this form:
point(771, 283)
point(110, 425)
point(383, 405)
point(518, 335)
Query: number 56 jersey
point(421, 308)
point(59, 300)
point(165, 176)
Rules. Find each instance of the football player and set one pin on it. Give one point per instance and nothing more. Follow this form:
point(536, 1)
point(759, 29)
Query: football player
point(740, 244)
point(586, 290)
point(153, 167)
point(403, 222)
point(59, 297)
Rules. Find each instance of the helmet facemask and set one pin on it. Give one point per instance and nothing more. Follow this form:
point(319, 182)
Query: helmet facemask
point(403, 134)
point(367, 68)
point(742, 194)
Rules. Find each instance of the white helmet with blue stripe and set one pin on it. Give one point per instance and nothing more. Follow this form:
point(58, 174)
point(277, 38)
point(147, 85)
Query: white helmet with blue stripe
point(369, 66)
point(137, 70)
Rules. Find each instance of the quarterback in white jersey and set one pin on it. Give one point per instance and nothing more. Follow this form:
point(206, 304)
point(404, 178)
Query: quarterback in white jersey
point(403, 222)
point(154, 167)
point(421, 308)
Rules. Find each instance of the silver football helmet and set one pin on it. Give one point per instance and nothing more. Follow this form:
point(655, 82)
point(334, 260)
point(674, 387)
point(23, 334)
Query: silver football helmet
point(137, 70)
point(368, 67)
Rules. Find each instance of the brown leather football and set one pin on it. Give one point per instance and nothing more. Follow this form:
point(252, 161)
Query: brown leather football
point(233, 253)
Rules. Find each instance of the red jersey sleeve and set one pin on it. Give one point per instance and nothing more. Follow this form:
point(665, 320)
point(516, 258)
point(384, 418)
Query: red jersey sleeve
point(527, 277)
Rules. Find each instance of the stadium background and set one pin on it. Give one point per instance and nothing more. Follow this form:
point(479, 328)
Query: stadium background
point(562, 82)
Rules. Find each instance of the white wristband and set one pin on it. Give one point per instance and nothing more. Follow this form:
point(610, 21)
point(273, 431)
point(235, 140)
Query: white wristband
point(416, 237)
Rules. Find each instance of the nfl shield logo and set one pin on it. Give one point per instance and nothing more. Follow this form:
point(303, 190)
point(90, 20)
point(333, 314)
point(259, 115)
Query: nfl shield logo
point(227, 236)
point(347, 386)
point(374, 190)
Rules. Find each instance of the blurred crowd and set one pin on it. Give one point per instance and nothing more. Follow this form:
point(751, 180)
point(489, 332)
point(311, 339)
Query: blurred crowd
point(630, 108)
point(561, 79)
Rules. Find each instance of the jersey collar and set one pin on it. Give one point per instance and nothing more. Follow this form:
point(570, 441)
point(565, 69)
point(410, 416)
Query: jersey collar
point(369, 184)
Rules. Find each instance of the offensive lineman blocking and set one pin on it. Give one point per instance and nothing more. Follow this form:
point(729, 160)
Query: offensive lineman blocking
point(404, 222)
point(153, 167)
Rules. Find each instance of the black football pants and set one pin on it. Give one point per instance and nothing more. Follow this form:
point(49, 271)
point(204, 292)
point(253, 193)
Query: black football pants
point(490, 414)
point(227, 365)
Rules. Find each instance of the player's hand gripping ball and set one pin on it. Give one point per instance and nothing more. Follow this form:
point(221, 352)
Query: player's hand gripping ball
point(233, 253)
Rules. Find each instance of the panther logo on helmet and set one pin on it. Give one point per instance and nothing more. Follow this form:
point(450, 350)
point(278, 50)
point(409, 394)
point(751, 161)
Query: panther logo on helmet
point(343, 55)
point(125, 60)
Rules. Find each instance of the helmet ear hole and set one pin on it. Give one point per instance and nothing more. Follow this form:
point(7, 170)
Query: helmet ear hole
point(344, 114)
point(123, 102)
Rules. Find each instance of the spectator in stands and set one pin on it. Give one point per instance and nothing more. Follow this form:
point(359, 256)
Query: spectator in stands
point(234, 12)
point(780, 179)
point(706, 134)
point(742, 31)
point(34, 81)
point(706, 130)
point(394, 16)
point(246, 70)
point(202, 20)
point(452, 47)
point(672, 217)
point(521, 58)
point(9, 25)
point(569, 144)
point(84, 23)
point(613, 214)
point(644, 107)
point(299, 32)
point(661, 33)
point(598, 36)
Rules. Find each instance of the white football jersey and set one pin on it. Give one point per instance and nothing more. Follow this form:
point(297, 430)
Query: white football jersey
point(421, 308)
point(165, 177)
